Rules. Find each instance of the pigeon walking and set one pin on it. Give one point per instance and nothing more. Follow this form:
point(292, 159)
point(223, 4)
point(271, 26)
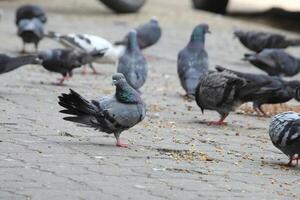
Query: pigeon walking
point(29, 12)
point(286, 90)
point(110, 114)
point(133, 64)
point(63, 61)
point(89, 43)
point(147, 34)
point(284, 131)
point(224, 92)
point(192, 61)
point(275, 62)
point(8, 63)
point(257, 41)
point(31, 31)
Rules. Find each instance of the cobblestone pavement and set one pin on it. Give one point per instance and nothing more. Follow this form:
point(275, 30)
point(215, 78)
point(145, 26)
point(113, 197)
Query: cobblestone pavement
point(172, 154)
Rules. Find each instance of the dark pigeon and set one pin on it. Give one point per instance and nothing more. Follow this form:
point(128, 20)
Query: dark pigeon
point(63, 61)
point(192, 61)
point(147, 34)
point(257, 41)
point(224, 92)
point(31, 31)
point(286, 90)
point(284, 131)
point(275, 62)
point(133, 64)
point(30, 12)
point(110, 114)
point(8, 63)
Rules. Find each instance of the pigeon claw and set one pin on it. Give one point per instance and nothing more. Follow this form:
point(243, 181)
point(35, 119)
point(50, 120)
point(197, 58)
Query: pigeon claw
point(217, 123)
point(119, 144)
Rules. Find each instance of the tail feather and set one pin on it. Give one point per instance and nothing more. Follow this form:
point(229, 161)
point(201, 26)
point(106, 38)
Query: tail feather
point(247, 56)
point(76, 104)
point(293, 42)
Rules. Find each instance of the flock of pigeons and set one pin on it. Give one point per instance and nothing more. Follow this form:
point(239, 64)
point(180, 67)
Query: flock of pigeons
point(222, 90)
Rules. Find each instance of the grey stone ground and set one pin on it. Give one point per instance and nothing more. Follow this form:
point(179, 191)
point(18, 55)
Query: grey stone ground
point(44, 157)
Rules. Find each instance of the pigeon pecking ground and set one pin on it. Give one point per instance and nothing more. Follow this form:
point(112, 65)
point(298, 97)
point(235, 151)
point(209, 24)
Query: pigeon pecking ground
point(172, 153)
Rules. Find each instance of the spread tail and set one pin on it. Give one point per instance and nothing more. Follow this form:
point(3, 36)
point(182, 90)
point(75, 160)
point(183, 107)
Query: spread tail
point(76, 105)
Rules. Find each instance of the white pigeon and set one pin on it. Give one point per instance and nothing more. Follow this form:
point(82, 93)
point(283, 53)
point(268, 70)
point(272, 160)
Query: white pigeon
point(89, 43)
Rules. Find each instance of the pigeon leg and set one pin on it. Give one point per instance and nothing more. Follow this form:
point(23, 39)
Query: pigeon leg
point(23, 51)
point(220, 122)
point(119, 143)
point(93, 68)
point(262, 112)
point(61, 80)
point(84, 70)
point(36, 47)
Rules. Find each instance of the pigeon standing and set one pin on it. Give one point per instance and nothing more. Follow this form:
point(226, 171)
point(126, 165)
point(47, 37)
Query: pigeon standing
point(147, 34)
point(286, 90)
point(133, 64)
point(30, 20)
point(63, 61)
point(8, 63)
point(257, 41)
point(224, 92)
point(275, 62)
point(31, 31)
point(192, 61)
point(110, 114)
point(284, 131)
point(29, 12)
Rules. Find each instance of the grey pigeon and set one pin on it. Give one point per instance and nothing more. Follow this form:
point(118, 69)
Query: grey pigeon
point(257, 41)
point(8, 63)
point(31, 31)
point(275, 62)
point(286, 90)
point(133, 64)
point(63, 61)
point(284, 131)
point(29, 12)
point(192, 61)
point(147, 34)
point(224, 92)
point(110, 114)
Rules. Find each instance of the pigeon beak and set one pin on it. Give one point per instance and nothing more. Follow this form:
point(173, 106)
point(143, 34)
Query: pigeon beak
point(208, 31)
point(113, 82)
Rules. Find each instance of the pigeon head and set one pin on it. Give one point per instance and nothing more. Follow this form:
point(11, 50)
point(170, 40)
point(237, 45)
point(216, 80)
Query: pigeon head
point(294, 89)
point(238, 33)
point(199, 33)
point(154, 19)
point(132, 40)
point(124, 92)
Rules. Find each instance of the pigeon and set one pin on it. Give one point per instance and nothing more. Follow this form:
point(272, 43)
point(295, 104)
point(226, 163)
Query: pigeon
point(110, 114)
point(88, 43)
point(30, 12)
point(192, 61)
point(64, 60)
point(8, 63)
point(275, 62)
point(147, 34)
point(31, 31)
point(133, 64)
point(286, 90)
point(284, 131)
point(258, 41)
point(224, 92)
